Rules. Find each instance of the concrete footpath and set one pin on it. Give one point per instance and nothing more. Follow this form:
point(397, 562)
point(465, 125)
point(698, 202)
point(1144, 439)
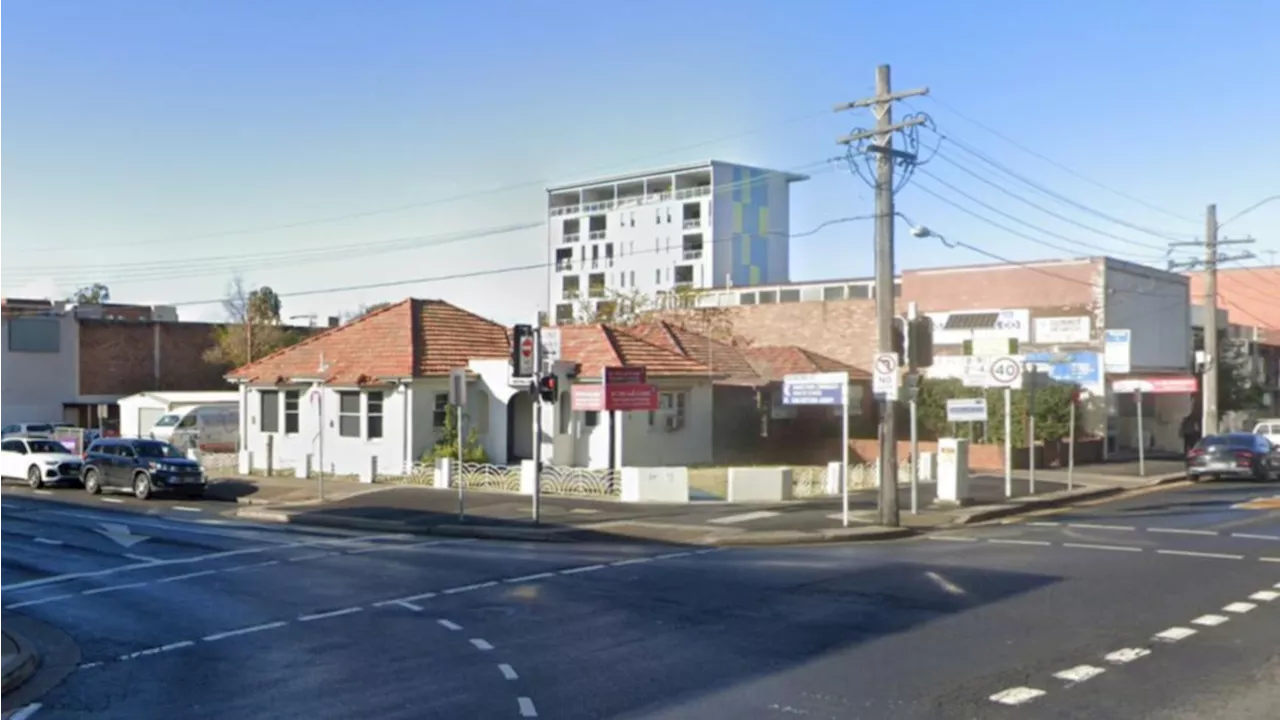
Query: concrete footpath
point(496, 515)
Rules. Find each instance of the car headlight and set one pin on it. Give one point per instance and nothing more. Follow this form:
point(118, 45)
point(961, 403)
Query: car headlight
point(51, 463)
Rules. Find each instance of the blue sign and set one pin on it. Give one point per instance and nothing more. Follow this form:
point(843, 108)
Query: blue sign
point(967, 410)
point(1081, 368)
point(814, 389)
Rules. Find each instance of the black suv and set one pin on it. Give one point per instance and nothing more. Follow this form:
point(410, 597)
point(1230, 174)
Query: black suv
point(142, 466)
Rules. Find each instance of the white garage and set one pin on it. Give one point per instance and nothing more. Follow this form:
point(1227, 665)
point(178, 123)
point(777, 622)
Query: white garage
point(139, 412)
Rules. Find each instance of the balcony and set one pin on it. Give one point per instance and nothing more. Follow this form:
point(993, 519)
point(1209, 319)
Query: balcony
point(595, 291)
point(693, 192)
point(571, 238)
point(565, 210)
point(693, 224)
point(693, 253)
point(569, 293)
point(563, 264)
point(596, 235)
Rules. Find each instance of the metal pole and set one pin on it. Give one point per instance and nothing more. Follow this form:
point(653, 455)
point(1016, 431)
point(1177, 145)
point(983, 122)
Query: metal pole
point(884, 290)
point(320, 452)
point(1210, 423)
point(844, 458)
point(912, 314)
point(1142, 440)
point(1008, 442)
point(1071, 448)
point(1031, 434)
point(537, 428)
point(462, 503)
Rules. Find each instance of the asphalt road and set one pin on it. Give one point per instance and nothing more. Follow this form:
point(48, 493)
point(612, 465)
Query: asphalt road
point(179, 615)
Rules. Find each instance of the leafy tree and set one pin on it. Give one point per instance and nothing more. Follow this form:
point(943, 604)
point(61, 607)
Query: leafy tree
point(680, 307)
point(1236, 389)
point(1052, 410)
point(447, 445)
point(254, 329)
point(95, 294)
point(366, 309)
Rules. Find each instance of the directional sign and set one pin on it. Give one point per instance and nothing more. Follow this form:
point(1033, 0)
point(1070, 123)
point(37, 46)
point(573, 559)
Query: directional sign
point(120, 534)
point(815, 388)
point(1005, 372)
point(549, 340)
point(885, 375)
point(967, 410)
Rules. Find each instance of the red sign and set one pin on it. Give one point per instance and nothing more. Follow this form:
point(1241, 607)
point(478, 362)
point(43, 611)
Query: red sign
point(625, 376)
point(630, 397)
point(526, 348)
point(1157, 385)
point(586, 398)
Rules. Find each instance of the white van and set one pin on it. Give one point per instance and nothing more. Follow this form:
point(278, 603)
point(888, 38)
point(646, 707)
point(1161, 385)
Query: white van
point(1270, 429)
point(209, 428)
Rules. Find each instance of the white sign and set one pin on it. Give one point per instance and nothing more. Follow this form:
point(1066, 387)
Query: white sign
point(1116, 350)
point(976, 371)
point(885, 376)
point(549, 344)
point(458, 387)
point(1005, 372)
point(967, 410)
point(1062, 330)
point(1014, 324)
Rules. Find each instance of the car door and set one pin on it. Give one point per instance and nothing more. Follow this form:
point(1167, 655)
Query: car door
point(11, 452)
point(122, 466)
point(107, 460)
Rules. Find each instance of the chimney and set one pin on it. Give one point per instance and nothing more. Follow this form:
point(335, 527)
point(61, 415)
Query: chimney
point(334, 321)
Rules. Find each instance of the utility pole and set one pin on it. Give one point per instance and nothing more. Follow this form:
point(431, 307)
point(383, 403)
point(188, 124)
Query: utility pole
point(1212, 354)
point(886, 158)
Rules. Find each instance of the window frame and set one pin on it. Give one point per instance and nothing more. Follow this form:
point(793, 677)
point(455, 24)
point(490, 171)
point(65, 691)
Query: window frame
point(374, 419)
point(346, 416)
point(292, 418)
point(268, 399)
point(439, 410)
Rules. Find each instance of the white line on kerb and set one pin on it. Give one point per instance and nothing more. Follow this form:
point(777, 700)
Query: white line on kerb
point(1016, 695)
point(1174, 634)
point(526, 707)
point(1182, 531)
point(481, 644)
point(184, 508)
point(46, 492)
point(1210, 620)
point(111, 500)
point(507, 671)
point(449, 624)
point(1265, 595)
point(1252, 536)
point(952, 538)
point(244, 631)
point(1126, 655)
point(744, 517)
point(1044, 523)
point(1079, 673)
point(1239, 607)
point(48, 541)
point(331, 613)
point(1191, 553)
point(1115, 548)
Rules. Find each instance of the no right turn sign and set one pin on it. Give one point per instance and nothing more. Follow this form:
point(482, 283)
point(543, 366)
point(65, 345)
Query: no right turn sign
point(884, 381)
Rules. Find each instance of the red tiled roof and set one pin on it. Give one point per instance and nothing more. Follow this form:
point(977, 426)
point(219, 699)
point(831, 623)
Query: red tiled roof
point(722, 358)
point(772, 363)
point(1251, 296)
point(412, 338)
point(595, 347)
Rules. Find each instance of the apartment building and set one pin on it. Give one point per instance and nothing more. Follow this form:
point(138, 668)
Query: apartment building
point(706, 225)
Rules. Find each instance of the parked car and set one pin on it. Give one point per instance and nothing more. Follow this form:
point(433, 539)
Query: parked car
point(27, 429)
point(208, 428)
point(1243, 456)
point(141, 466)
point(1270, 428)
point(39, 460)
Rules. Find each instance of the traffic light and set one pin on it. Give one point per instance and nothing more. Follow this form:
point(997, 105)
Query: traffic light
point(900, 339)
point(549, 388)
point(920, 342)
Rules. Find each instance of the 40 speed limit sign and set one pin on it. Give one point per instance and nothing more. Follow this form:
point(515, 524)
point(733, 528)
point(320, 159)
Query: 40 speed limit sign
point(1005, 372)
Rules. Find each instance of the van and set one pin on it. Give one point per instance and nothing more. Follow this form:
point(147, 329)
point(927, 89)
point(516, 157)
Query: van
point(1269, 429)
point(208, 428)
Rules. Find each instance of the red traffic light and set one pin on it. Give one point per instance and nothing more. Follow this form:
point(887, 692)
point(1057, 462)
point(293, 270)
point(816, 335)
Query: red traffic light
point(548, 387)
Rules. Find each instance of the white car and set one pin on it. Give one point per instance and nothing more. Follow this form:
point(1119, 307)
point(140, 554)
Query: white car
point(38, 461)
point(1270, 429)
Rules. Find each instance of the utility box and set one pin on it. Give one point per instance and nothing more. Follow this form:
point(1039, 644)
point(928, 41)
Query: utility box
point(953, 472)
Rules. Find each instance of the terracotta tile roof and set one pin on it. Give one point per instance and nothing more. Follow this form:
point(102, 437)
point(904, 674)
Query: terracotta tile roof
point(772, 363)
point(595, 347)
point(412, 338)
point(722, 358)
point(1251, 296)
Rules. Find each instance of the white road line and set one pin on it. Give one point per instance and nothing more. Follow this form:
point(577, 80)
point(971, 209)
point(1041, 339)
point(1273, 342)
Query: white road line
point(674, 555)
point(330, 614)
point(1115, 548)
point(946, 585)
point(1126, 655)
point(468, 588)
point(1092, 526)
point(1009, 541)
point(7, 506)
point(1210, 620)
point(177, 645)
point(312, 556)
point(48, 541)
point(527, 578)
point(744, 517)
point(449, 624)
point(89, 665)
point(1182, 531)
point(1191, 553)
point(250, 566)
point(44, 492)
point(631, 561)
point(1174, 634)
point(27, 712)
point(706, 551)
point(111, 500)
point(113, 588)
point(583, 569)
point(952, 538)
point(1252, 536)
point(481, 644)
point(406, 605)
point(1270, 559)
point(41, 601)
point(419, 596)
point(526, 707)
point(184, 508)
point(1079, 673)
point(1016, 695)
point(1239, 607)
point(507, 671)
point(1044, 523)
point(188, 576)
point(141, 558)
point(244, 631)
point(1265, 595)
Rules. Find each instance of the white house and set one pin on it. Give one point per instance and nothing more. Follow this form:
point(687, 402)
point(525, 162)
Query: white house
point(371, 396)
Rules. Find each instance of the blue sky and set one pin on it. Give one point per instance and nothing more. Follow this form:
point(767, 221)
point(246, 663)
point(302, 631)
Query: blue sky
point(161, 147)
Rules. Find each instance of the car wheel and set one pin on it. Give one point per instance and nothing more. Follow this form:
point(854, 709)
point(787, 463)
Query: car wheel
point(141, 486)
point(91, 484)
point(34, 478)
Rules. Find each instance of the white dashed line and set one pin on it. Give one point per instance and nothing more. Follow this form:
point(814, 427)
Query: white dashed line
point(113, 588)
point(1090, 526)
point(141, 558)
point(184, 508)
point(631, 561)
point(187, 576)
point(449, 624)
point(527, 578)
point(1182, 531)
point(1210, 620)
point(419, 596)
point(1190, 553)
point(1270, 559)
point(48, 541)
point(1265, 595)
point(1252, 536)
point(176, 646)
point(952, 538)
point(468, 588)
point(41, 601)
point(744, 517)
point(1112, 548)
point(583, 569)
point(526, 707)
point(1239, 607)
point(1016, 696)
point(43, 492)
point(312, 556)
point(244, 631)
point(507, 671)
point(1126, 655)
point(1079, 673)
point(330, 614)
point(90, 665)
point(27, 712)
point(1010, 541)
point(399, 603)
point(1174, 634)
point(481, 644)
point(114, 501)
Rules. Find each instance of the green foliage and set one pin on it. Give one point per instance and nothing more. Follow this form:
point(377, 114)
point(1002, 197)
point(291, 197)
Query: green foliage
point(95, 294)
point(1236, 390)
point(1052, 411)
point(447, 445)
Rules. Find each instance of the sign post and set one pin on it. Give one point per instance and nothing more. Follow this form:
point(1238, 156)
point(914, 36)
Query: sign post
point(1071, 441)
point(885, 382)
point(826, 389)
point(1006, 372)
point(458, 399)
point(1142, 438)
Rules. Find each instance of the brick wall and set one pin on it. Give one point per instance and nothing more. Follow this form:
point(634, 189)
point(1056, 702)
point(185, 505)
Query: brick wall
point(1068, 283)
point(840, 329)
point(123, 358)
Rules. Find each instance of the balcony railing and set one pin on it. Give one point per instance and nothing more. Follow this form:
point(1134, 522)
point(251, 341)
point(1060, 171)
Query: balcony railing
point(596, 235)
point(693, 192)
point(571, 238)
point(631, 201)
point(693, 223)
point(563, 265)
point(693, 253)
point(569, 294)
point(596, 291)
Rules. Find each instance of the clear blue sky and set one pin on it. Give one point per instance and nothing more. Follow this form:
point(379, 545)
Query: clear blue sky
point(140, 132)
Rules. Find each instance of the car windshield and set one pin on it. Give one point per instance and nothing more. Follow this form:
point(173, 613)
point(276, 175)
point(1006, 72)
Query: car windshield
point(39, 428)
point(1241, 441)
point(46, 446)
point(157, 450)
point(167, 421)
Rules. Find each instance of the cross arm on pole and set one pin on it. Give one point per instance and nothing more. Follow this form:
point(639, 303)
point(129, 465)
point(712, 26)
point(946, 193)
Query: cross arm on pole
point(855, 137)
point(891, 97)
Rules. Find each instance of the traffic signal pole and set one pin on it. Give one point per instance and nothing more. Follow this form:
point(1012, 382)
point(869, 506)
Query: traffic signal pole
point(537, 426)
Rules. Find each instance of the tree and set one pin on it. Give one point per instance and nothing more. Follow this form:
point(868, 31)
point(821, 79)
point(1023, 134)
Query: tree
point(1236, 389)
point(365, 310)
point(679, 307)
point(95, 294)
point(254, 329)
point(447, 445)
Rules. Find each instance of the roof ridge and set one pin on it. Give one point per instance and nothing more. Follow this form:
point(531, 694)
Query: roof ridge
point(614, 331)
point(316, 337)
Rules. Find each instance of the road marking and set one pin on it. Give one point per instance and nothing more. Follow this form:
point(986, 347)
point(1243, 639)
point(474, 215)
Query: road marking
point(141, 558)
point(1091, 526)
point(481, 644)
point(330, 614)
point(27, 712)
point(527, 578)
point(631, 561)
point(952, 538)
point(1191, 553)
point(1010, 541)
point(113, 588)
point(114, 501)
point(250, 566)
point(526, 707)
point(184, 508)
point(1270, 559)
point(48, 541)
point(1115, 548)
point(1044, 523)
point(1126, 655)
point(1265, 595)
point(187, 576)
point(1239, 607)
point(244, 631)
point(1174, 634)
point(419, 596)
point(468, 588)
point(89, 665)
point(1210, 620)
point(176, 646)
point(43, 492)
point(744, 517)
point(404, 604)
point(1016, 695)
point(41, 601)
point(1181, 531)
point(449, 624)
point(1079, 673)
point(507, 671)
point(1254, 536)
point(946, 585)
point(672, 555)
point(585, 568)
point(7, 506)
point(312, 556)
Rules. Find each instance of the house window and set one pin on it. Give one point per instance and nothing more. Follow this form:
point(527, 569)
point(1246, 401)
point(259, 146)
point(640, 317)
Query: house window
point(440, 411)
point(590, 418)
point(290, 412)
point(349, 414)
point(269, 411)
point(373, 415)
point(34, 335)
point(671, 411)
